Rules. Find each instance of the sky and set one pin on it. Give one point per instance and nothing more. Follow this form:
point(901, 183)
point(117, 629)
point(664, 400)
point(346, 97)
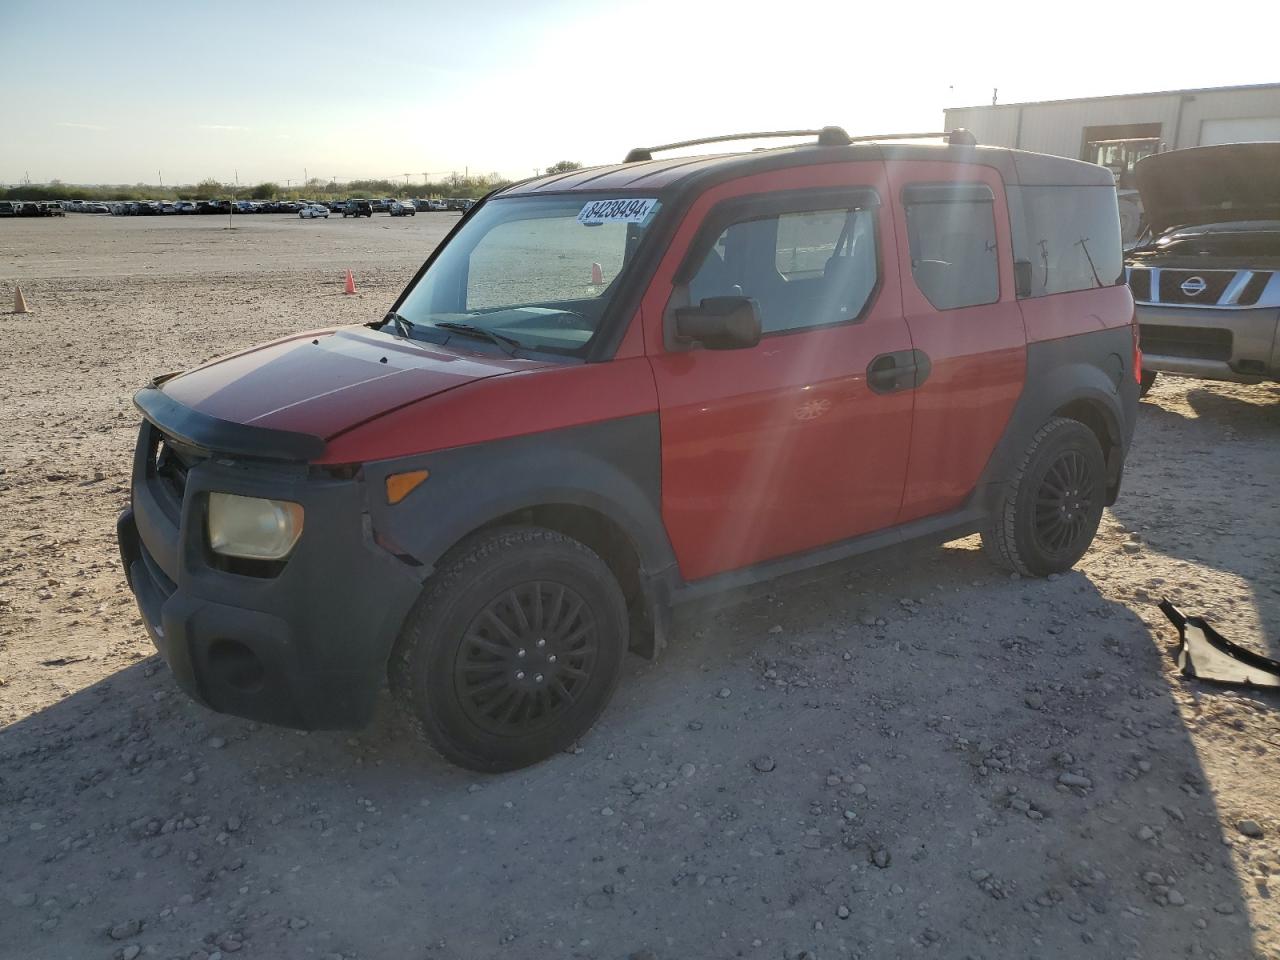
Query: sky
point(134, 90)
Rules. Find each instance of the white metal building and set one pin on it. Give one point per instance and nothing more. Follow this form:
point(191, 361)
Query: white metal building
point(1164, 121)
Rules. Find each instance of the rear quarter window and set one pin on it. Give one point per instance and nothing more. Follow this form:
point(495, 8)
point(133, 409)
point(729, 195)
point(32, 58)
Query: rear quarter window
point(1066, 238)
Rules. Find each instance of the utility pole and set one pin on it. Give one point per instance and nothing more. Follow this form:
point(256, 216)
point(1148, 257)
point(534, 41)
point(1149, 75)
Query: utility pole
point(161, 178)
point(237, 179)
point(305, 179)
point(994, 91)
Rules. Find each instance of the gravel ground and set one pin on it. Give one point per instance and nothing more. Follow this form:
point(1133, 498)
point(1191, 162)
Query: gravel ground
point(915, 756)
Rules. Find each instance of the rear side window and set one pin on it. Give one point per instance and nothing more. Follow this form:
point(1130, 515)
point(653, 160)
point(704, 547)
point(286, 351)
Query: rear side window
point(1065, 238)
point(807, 268)
point(951, 229)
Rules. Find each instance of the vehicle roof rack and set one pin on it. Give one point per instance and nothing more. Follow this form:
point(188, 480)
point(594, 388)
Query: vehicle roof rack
point(827, 137)
point(959, 137)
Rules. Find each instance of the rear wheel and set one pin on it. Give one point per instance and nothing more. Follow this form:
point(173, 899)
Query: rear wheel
point(1048, 513)
point(514, 649)
point(1148, 381)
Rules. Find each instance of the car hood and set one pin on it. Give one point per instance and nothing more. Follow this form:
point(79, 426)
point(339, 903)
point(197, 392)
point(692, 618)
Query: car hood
point(326, 382)
point(1233, 182)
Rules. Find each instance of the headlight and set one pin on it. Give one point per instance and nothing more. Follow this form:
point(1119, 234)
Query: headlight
point(253, 528)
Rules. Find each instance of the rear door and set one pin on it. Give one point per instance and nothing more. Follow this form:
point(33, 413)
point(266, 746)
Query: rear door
point(958, 296)
point(782, 447)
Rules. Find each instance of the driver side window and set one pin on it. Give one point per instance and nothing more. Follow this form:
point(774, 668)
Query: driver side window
point(806, 268)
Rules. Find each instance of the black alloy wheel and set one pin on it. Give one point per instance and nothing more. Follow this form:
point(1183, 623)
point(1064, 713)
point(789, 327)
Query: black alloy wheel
point(526, 658)
point(513, 649)
point(1064, 506)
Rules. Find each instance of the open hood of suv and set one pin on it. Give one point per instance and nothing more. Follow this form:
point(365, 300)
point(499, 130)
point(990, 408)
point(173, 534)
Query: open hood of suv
point(327, 382)
point(1203, 185)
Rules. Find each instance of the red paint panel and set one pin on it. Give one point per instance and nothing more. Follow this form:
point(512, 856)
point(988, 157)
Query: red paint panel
point(978, 357)
point(548, 398)
point(779, 448)
point(326, 382)
point(1082, 311)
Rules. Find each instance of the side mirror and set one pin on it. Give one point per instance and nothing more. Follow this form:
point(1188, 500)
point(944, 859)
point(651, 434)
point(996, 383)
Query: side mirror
point(1022, 278)
point(720, 323)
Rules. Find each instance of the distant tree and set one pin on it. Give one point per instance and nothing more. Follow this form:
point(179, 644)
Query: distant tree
point(264, 191)
point(208, 189)
point(564, 166)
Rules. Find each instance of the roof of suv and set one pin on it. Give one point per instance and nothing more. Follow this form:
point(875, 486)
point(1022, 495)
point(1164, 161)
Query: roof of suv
point(676, 174)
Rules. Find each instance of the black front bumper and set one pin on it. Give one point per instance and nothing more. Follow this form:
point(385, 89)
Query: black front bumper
point(302, 646)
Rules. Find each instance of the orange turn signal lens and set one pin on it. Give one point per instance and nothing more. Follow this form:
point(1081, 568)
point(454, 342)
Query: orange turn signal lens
point(400, 485)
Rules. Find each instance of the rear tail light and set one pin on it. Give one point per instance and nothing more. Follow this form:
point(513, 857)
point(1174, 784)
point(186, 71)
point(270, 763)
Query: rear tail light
point(1137, 348)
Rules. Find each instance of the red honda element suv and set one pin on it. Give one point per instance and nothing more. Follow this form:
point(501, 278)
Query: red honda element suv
point(616, 389)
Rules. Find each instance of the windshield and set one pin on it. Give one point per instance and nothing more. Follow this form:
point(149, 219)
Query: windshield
point(540, 272)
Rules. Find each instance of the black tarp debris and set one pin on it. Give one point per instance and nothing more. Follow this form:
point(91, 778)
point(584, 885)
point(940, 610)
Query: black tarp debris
point(1207, 655)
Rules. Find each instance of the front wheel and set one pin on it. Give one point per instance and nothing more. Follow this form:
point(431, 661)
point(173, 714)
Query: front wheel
point(1046, 516)
point(513, 650)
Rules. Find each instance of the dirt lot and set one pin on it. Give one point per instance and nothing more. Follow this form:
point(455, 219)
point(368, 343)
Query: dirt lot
point(918, 757)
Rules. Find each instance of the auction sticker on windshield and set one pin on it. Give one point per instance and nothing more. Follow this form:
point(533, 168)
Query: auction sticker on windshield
point(627, 210)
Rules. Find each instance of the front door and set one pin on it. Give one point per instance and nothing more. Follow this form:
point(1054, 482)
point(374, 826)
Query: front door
point(782, 447)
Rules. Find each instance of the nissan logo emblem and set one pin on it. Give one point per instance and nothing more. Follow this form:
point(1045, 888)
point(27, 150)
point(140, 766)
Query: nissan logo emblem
point(1193, 286)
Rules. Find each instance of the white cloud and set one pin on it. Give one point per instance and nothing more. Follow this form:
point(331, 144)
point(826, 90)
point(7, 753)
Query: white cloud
point(79, 126)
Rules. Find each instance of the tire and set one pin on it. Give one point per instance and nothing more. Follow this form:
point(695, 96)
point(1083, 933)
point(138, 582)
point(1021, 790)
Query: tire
point(1148, 381)
point(1040, 524)
point(481, 616)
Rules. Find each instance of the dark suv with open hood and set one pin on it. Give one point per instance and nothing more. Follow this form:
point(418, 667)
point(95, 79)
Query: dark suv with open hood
point(1207, 277)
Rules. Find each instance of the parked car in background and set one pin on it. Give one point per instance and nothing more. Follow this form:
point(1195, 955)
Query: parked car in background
point(357, 208)
point(313, 211)
point(793, 356)
point(185, 206)
point(381, 205)
point(7, 208)
point(403, 208)
point(51, 208)
point(1206, 274)
point(95, 207)
point(435, 204)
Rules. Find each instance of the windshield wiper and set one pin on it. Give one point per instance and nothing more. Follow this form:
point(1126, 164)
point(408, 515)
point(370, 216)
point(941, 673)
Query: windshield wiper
point(483, 333)
point(404, 326)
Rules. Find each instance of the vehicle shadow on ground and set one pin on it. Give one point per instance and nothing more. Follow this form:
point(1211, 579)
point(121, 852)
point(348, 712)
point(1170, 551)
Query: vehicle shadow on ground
point(1215, 509)
point(1257, 416)
point(916, 753)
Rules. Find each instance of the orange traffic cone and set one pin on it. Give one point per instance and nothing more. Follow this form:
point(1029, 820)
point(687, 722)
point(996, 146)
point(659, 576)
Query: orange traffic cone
point(20, 302)
point(350, 286)
point(597, 275)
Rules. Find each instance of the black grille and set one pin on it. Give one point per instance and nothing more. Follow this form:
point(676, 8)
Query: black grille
point(1193, 343)
point(1214, 283)
point(1140, 284)
point(168, 469)
point(172, 469)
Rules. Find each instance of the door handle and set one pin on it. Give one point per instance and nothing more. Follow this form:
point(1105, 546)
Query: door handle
point(900, 370)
